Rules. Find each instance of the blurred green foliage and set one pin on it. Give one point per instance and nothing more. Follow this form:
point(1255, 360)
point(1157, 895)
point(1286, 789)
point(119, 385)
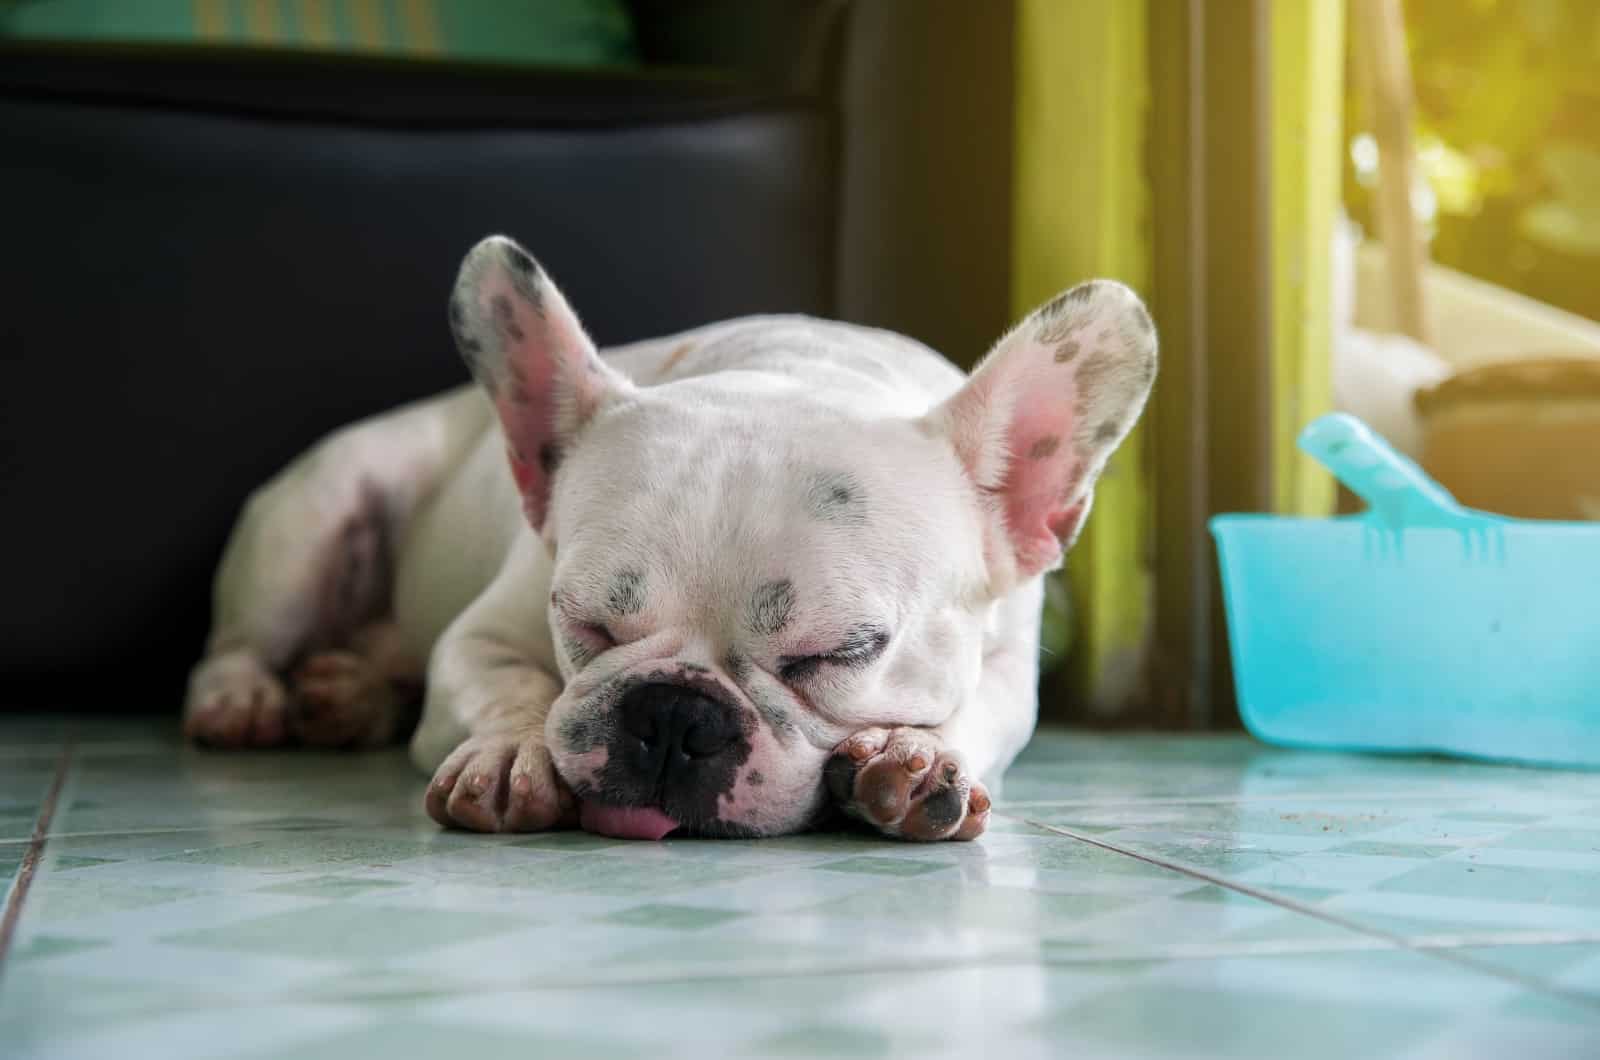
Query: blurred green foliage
point(1508, 137)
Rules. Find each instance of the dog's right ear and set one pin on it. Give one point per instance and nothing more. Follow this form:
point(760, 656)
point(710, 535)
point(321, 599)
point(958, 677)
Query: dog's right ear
point(525, 346)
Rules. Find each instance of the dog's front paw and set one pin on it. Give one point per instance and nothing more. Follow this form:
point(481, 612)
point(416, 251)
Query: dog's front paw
point(905, 783)
point(501, 782)
point(235, 701)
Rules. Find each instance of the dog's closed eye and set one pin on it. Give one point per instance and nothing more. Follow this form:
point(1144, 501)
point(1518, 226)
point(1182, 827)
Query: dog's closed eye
point(858, 649)
point(594, 636)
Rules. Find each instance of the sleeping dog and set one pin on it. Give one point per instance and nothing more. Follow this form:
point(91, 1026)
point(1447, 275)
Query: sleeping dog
point(734, 579)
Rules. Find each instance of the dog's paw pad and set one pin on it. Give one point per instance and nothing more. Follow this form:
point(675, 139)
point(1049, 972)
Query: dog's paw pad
point(235, 701)
point(503, 783)
point(905, 784)
point(340, 700)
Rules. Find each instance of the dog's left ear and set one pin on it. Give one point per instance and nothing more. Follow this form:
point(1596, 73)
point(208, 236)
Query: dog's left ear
point(1040, 416)
point(525, 347)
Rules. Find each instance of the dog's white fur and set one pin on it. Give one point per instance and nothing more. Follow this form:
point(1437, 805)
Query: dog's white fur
point(674, 487)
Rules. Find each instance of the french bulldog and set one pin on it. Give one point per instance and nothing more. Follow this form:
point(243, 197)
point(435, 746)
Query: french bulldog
point(735, 580)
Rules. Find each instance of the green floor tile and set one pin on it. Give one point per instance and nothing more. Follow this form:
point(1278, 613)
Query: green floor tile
point(331, 887)
point(249, 906)
point(345, 931)
point(676, 917)
point(881, 866)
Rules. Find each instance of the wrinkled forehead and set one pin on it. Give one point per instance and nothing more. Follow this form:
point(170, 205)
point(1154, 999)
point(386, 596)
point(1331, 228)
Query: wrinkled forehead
point(820, 514)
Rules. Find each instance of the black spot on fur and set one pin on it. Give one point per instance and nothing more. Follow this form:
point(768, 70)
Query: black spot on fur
point(550, 455)
point(1044, 447)
point(738, 667)
point(626, 595)
point(471, 349)
point(1106, 431)
point(754, 778)
point(1077, 296)
point(774, 713)
point(1062, 315)
point(505, 318)
point(579, 653)
point(1095, 374)
point(771, 607)
point(583, 732)
point(521, 260)
point(1067, 351)
point(527, 277)
point(836, 497)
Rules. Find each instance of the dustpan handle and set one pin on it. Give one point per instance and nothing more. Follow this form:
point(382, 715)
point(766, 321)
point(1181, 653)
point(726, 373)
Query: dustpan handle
point(1398, 491)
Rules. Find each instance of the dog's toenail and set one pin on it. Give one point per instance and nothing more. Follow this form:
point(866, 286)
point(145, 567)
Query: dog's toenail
point(860, 752)
point(916, 763)
point(522, 785)
point(979, 802)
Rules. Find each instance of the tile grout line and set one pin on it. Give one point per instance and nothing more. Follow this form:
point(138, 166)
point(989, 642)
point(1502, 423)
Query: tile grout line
point(1296, 906)
point(31, 856)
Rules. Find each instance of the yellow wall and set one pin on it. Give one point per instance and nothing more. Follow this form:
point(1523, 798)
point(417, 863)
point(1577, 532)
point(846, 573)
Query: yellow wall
point(1080, 210)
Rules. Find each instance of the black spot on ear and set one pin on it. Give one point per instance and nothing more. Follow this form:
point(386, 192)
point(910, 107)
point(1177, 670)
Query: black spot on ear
point(1095, 373)
point(505, 318)
point(1077, 296)
point(1066, 352)
point(754, 778)
point(1044, 447)
point(550, 455)
point(771, 606)
point(626, 595)
point(1062, 314)
point(1106, 431)
point(471, 349)
point(526, 276)
point(521, 260)
point(836, 497)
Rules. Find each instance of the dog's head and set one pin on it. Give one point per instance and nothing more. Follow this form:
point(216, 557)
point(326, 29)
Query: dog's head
point(746, 572)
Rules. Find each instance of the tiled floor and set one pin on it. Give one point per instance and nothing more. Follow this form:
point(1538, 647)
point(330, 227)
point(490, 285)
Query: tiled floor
point(1137, 896)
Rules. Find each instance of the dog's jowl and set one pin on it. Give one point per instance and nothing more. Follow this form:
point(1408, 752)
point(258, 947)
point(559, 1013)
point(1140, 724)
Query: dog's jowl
point(724, 582)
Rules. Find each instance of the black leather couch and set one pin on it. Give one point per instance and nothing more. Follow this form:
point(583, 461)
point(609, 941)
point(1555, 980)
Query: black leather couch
point(210, 260)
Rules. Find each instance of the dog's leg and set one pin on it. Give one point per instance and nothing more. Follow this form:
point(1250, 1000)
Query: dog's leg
point(310, 563)
point(932, 783)
point(367, 695)
point(491, 681)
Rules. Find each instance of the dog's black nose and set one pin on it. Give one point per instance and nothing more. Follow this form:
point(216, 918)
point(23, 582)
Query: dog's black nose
point(675, 726)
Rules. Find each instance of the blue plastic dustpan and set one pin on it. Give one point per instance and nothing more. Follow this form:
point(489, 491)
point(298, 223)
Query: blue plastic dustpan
point(1416, 626)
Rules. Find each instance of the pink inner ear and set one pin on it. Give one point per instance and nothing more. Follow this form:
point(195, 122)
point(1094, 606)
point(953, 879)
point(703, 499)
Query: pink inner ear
point(1044, 476)
point(548, 387)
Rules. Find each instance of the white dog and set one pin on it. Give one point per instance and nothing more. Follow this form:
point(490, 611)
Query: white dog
point(734, 578)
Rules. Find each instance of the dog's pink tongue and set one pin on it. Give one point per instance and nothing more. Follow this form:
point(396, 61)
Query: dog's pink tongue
point(624, 822)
